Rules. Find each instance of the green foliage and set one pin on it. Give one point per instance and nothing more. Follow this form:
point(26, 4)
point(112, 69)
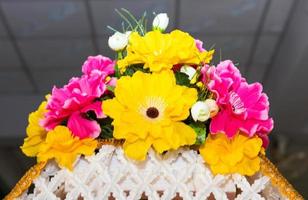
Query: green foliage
point(182, 79)
point(200, 129)
point(134, 68)
point(110, 88)
point(106, 128)
point(131, 23)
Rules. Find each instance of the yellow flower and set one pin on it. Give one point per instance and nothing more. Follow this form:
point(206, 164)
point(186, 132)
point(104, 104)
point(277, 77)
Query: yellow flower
point(61, 145)
point(159, 51)
point(236, 155)
point(36, 134)
point(147, 110)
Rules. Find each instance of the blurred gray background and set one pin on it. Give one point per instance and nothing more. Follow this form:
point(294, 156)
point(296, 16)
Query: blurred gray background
point(44, 42)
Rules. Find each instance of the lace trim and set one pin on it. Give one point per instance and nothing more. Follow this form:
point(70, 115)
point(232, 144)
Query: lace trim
point(267, 169)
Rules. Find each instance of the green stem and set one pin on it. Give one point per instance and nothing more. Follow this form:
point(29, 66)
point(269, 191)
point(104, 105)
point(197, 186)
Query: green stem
point(117, 70)
point(134, 19)
point(120, 56)
point(125, 19)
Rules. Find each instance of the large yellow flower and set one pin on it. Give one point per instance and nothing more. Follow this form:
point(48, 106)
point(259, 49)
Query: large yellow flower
point(147, 110)
point(159, 51)
point(236, 155)
point(36, 134)
point(61, 145)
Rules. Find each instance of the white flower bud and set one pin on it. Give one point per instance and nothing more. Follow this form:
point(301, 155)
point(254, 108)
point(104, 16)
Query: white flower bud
point(118, 41)
point(127, 33)
point(212, 105)
point(189, 71)
point(200, 111)
point(161, 22)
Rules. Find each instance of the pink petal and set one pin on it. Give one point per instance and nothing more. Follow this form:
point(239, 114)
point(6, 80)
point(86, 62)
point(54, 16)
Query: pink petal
point(50, 123)
point(96, 107)
point(98, 64)
point(265, 140)
point(224, 123)
point(199, 45)
point(112, 82)
point(83, 128)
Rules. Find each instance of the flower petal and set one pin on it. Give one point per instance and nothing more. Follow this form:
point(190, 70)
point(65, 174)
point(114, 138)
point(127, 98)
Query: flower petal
point(83, 128)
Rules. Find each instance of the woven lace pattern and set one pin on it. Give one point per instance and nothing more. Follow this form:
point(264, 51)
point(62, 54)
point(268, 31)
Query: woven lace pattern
point(179, 174)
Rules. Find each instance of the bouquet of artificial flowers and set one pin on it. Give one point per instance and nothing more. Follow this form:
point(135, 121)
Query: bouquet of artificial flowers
point(163, 92)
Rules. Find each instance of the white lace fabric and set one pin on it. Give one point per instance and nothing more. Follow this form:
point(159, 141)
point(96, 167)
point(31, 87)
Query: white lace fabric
point(111, 175)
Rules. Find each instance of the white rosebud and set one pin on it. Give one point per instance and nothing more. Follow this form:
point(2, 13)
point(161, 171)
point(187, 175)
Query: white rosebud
point(127, 33)
point(118, 41)
point(211, 103)
point(200, 111)
point(189, 71)
point(161, 22)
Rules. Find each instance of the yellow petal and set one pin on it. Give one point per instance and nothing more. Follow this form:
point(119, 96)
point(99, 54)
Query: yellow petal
point(161, 51)
point(134, 96)
point(137, 150)
point(62, 146)
point(253, 147)
point(36, 134)
point(236, 155)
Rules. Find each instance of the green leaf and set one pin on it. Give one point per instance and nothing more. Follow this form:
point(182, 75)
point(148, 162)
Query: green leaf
point(134, 68)
point(107, 131)
point(117, 71)
point(129, 72)
point(182, 79)
point(106, 128)
point(200, 129)
point(110, 88)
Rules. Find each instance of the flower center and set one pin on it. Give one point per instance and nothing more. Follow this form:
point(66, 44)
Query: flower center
point(153, 108)
point(152, 112)
point(237, 105)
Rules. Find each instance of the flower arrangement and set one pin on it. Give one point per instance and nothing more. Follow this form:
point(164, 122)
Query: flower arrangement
point(160, 92)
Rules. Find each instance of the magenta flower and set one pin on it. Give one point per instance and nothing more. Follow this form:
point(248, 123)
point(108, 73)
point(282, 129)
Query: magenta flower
point(71, 103)
point(97, 65)
point(223, 79)
point(243, 106)
point(204, 78)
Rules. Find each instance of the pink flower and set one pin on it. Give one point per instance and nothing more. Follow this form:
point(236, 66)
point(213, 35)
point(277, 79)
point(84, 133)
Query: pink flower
point(204, 78)
point(223, 79)
point(83, 127)
point(72, 103)
point(98, 64)
point(199, 45)
point(243, 107)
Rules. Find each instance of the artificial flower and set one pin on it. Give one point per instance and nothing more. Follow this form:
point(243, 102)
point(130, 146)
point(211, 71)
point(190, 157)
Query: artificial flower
point(160, 22)
point(98, 65)
point(204, 76)
point(243, 107)
point(236, 155)
point(62, 146)
point(148, 110)
point(79, 96)
point(118, 41)
point(158, 51)
point(213, 107)
point(200, 111)
point(222, 79)
point(36, 134)
point(189, 71)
